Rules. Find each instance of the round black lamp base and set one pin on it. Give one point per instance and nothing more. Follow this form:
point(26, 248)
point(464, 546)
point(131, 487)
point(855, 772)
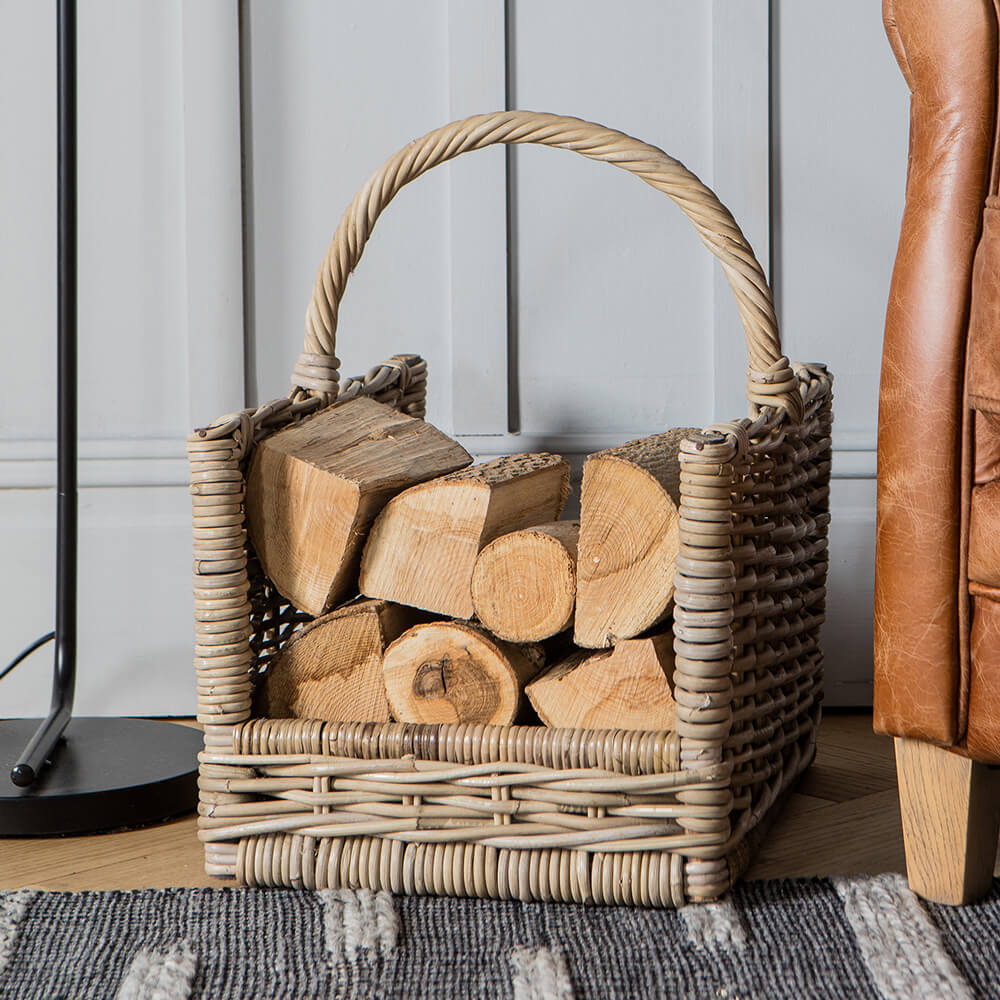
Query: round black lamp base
point(105, 774)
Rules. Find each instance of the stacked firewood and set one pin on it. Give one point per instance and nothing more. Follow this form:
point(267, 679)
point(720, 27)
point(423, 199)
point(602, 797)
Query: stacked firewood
point(447, 591)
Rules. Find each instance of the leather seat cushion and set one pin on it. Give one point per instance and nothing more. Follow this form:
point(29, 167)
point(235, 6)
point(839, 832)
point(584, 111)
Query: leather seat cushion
point(984, 535)
point(983, 737)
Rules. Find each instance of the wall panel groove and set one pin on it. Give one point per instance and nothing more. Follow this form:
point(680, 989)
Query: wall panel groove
point(477, 83)
point(741, 166)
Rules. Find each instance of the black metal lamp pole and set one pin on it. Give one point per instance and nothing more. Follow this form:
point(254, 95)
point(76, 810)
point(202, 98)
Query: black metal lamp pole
point(48, 734)
point(81, 775)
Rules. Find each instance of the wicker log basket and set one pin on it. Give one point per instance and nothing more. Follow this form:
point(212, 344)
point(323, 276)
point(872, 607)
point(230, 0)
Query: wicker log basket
point(531, 813)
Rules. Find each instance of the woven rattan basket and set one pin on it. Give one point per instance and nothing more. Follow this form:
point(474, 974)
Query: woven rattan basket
point(644, 818)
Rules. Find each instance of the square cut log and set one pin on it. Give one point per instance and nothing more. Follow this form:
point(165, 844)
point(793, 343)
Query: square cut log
point(628, 545)
point(422, 548)
point(332, 668)
point(315, 487)
point(627, 687)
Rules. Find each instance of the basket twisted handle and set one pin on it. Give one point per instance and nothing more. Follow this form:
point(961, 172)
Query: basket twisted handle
point(770, 382)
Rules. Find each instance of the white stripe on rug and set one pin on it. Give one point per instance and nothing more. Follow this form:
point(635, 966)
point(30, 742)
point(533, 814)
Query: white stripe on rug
point(540, 974)
point(12, 910)
point(358, 921)
point(900, 945)
point(160, 975)
point(714, 926)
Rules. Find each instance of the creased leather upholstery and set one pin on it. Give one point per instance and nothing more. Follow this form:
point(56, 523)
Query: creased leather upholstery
point(984, 536)
point(983, 385)
point(983, 742)
point(947, 50)
point(983, 393)
point(987, 446)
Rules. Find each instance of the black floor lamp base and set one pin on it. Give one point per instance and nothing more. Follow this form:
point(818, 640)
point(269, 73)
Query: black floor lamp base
point(109, 774)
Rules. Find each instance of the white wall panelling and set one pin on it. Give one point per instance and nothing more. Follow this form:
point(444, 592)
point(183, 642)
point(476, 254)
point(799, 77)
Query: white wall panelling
point(613, 287)
point(839, 131)
point(31, 464)
point(135, 633)
point(741, 168)
point(560, 304)
point(477, 55)
point(213, 208)
point(840, 142)
point(331, 94)
point(848, 632)
point(160, 338)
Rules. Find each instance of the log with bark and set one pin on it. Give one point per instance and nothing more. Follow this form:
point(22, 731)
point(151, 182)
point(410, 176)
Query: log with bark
point(332, 668)
point(524, 583)
point(455, 672)
point(423, 546)
point(627, 687)
point(628, 539)
point(315, 487)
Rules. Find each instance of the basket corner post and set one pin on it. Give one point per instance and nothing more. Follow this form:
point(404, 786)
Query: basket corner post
point(704, 646)
point(221, 612)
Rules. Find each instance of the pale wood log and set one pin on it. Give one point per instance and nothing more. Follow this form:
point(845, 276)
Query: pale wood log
point(628, 539)
point(524, 583)
point(455, 672)
point(332, 668)
point(627, 687)
point(950, 806)
point(422, 548)
point(315, 487)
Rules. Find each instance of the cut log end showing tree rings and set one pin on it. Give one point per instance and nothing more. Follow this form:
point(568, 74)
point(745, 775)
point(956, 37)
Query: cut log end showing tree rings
point(524, 583)
point(628, 539)
point(628, 687)
point(332, 668)
point(423, 546)
point(454, 672)
point(315, 487)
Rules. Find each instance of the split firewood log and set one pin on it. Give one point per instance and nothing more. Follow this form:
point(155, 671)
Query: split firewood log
point(628, 545)
point(626, 687)
point(315, 487)
point(524, 583)
point(423, 546)
point(332, 668)
point(455, 672)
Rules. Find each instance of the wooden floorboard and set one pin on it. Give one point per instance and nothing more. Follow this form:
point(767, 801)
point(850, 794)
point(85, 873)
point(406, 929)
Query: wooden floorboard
point(857, 836)
point(843, 818)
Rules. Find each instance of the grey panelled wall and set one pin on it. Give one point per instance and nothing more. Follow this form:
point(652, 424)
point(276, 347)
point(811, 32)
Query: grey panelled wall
point(609, 322)
point(161, 332)
point(840, 127)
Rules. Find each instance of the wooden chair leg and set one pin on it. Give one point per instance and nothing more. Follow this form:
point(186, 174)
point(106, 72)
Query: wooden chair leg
point(951, 820)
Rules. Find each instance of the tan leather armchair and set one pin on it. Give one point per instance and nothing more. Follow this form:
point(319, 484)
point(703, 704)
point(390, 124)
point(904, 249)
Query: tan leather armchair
point(937, 587)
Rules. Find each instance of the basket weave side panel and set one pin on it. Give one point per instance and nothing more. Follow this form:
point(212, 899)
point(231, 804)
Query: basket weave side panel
point(571, 801)
point(778, 667)
point(504, 787)
point(648, 878)
point(498, 829)
point(230, 632)
point(703, 637)
point(617, 751)
point(750, 603)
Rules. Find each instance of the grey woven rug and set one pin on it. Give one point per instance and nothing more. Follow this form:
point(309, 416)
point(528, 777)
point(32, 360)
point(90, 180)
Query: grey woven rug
point(840, 938)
